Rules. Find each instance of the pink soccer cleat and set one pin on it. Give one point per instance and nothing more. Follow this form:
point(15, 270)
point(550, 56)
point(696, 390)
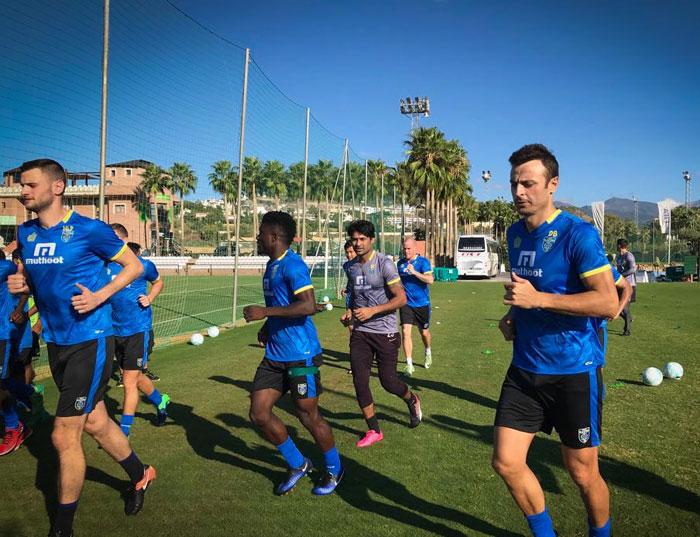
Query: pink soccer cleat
point(370, 438)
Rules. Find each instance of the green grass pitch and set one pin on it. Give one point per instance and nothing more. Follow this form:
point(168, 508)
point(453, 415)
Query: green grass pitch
point(216, 475)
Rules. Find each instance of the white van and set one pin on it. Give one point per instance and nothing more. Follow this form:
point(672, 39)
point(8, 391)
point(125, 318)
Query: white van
point(477, 255)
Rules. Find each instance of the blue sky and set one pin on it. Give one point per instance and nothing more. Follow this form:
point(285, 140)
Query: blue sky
point(611, 87)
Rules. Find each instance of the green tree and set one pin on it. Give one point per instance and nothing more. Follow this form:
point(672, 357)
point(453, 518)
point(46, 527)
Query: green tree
point(252, 175)
point(154, 181)
point(184, 182)
point(273, 178)
point(224, 179)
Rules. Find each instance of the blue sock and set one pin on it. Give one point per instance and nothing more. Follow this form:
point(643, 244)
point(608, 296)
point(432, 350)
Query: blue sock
point(541, 524)
point(291, 453)
point(126, 423)
point(605, 531)
point(155, 398)
point(65, 513)
point(332, 461)
point(9, 412)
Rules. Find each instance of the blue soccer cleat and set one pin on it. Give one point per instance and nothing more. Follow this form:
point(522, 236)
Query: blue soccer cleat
point(294, 475)
point(328, 484)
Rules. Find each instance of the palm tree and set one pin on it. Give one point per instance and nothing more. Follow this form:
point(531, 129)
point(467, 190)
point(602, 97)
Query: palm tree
point(142, 206)
point(273, 176)
point(223, 179)
point(252, 173)
point(184, 182)
point(154, 180)
point(294, 179)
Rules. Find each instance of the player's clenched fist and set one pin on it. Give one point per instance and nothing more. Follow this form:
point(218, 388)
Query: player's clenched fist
point(86, 301)
point(363, 314)
point(17, 283)
point(521, 293)
point(507, 327)
point(254, 313)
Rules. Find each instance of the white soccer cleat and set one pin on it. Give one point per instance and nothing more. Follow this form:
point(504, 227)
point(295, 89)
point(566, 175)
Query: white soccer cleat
point(428, 359)
point(409, 370)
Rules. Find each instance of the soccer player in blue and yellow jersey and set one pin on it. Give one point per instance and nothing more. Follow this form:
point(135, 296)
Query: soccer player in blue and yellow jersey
point(65, 256)
point(416, 275)
point(132, 319)
point(561, 283)
point(292, 355)
point(15, 432)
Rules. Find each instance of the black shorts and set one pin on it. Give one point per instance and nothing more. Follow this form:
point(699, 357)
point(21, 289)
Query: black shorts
point(20, 360)
point(132, 351)
point(36, 348)
point(5, 364)
point(302, 378)
point(81, 373)
point(571, 404)
point(419, 316)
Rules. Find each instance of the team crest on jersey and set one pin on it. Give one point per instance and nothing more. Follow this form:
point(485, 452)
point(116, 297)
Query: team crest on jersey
point(549, 240)
point(31, 237)
point(139, 362)
point(373, 266)
point(302, 388)
point(584, 434)
point(517, 242)
point(67, 233)
point(80, 403)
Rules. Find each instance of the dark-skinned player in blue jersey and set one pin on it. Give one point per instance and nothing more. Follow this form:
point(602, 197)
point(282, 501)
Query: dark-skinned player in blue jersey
point(292, 356)
point(561, 286)
point(64, 265)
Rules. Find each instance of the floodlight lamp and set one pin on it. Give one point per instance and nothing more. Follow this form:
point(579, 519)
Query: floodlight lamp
point(486, 175)
point(408, 101)
point(686, 175)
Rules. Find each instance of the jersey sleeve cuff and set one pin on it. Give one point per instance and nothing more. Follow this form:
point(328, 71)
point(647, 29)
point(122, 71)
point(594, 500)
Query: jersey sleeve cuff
point(119, 253)
point(621, 278)
point(428, 271)
point(595, 271)
point(302, 289)
point(395, 280)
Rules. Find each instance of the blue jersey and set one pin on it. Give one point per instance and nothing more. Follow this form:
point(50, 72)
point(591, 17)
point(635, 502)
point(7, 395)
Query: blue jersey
point(76, 250)
point(289, 338)
point(417, 293)
point(128, 316)
point(7, 268)
point(556, 258)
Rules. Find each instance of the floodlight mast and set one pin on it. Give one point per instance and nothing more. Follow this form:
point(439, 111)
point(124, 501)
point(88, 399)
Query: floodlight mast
point(419, 106)
point(687, 178)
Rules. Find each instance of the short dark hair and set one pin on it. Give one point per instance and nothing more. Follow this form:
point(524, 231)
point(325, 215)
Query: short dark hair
point(119, 229)
point(134, 247)
point(46, 165)
point(283, 222)
point(622, 242)
point(536, 152)
point(348, 245)
point(363, 227)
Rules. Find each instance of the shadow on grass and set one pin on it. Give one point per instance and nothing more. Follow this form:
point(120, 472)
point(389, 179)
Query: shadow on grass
point(452, 391)
point(546, 453)
point(631, 382)
point(41, 448)
point(362, 484)
point(214, 442)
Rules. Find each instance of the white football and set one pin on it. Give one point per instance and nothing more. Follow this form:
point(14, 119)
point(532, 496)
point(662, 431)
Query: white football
point(673, 370)
point(197, 339)
point(329, 307)
point(213, 331)
point(326, 299)
point(652, 376)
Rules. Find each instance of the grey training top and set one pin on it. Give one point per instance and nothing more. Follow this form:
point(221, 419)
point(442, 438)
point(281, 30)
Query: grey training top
point(368, 285)
point(627, 266)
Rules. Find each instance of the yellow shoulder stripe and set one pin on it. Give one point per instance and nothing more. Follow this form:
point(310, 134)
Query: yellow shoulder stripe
point(392, 282)
point(621, 278)
point(302, 289)
point(119, 253)
point(595, 271)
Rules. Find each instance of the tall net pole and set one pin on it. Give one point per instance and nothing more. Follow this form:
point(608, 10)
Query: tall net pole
point(103, 119)
point(240, 182)
point(306, 174)
point(364, 201)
